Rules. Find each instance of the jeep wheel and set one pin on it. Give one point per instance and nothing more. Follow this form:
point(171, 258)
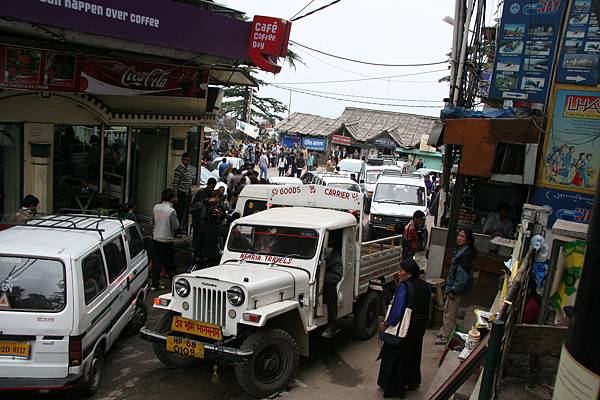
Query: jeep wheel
point(138, 319)
point(366, 316)
point(171, 360)
point(273, 364)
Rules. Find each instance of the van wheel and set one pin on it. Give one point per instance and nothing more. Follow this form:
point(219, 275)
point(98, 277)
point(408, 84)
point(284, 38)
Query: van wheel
point(273, 364)
point(138, 319)
point(366, 316)
point(94, 374)
point(171, 360)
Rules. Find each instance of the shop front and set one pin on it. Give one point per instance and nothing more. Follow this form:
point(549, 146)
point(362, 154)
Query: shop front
point(348, 146)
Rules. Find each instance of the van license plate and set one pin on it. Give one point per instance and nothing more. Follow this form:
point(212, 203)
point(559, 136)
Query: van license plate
point(204, 329)
point(186, 347)
point(15, 349)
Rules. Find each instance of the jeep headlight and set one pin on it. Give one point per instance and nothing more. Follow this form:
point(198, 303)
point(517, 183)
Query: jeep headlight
point(236, 296)
point(182, 287)
point(376, 218)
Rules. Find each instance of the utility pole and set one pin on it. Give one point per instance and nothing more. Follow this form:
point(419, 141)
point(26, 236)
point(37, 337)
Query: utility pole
point(247, 108)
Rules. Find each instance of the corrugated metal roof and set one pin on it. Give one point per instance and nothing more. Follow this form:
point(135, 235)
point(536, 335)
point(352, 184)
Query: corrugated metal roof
point(365, 124)
point(306, 124)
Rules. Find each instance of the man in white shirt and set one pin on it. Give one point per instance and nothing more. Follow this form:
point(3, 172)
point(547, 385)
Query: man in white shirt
point(166, 224)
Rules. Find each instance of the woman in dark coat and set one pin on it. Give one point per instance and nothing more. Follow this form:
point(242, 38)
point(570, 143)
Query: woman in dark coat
point(400, 368)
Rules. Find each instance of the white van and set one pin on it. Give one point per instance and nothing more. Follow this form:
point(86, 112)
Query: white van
point(69, 286)
point(395, 199)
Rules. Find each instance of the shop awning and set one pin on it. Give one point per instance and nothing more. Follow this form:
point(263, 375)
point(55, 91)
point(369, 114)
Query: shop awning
point(231, 77)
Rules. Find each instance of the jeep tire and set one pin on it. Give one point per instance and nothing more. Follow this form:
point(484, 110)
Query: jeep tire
point(272, 365)
point(366, 316)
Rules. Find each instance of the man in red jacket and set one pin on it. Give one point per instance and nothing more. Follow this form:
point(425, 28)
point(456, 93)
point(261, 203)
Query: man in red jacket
point(410, 236)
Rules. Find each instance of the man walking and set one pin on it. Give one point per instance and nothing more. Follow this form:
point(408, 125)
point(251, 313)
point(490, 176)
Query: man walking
point(263, 164)
point(166, 224)
point(300, 163)
point(410, 236)
point(182, 188)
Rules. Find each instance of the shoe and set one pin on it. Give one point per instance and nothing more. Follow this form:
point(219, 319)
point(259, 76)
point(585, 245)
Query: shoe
point(413, 386)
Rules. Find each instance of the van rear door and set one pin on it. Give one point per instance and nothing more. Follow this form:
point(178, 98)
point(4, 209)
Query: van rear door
point(36, 316)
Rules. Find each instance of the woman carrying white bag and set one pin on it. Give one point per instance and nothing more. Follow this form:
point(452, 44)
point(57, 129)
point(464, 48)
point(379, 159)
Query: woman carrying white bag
point(402, 333)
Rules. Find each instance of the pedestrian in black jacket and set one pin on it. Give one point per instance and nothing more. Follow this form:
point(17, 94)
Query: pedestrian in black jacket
point(210, 238)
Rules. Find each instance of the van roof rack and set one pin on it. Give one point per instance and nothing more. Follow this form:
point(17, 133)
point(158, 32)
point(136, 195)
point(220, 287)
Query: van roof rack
point(395, 172)
point(90, 223)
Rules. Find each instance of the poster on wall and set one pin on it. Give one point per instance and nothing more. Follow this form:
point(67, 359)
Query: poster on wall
point(569, 206)
point(525, 49)
point(571, 157)
point(580, 55)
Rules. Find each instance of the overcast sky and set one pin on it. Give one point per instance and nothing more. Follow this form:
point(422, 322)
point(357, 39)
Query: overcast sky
point(384, 31)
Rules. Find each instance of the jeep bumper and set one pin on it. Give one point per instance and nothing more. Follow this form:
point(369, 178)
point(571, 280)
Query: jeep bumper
point(211, 350)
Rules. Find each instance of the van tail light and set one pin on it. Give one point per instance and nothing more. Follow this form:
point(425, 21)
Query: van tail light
point(75, 351)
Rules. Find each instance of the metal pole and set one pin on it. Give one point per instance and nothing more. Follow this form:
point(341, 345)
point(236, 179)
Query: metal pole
point(455, 42)
point(463, 52)
point(492, 359)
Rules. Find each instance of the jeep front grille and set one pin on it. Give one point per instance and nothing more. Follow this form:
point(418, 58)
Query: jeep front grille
point(210, 305)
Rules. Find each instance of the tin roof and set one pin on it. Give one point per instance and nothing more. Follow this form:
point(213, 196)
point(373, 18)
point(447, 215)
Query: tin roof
point(306, 124)
point(366, 124)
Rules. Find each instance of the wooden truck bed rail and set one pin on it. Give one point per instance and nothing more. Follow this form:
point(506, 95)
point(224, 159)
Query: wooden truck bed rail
point(380, 259)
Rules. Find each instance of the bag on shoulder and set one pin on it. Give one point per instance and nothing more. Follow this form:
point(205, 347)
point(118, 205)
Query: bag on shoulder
point(394, 335)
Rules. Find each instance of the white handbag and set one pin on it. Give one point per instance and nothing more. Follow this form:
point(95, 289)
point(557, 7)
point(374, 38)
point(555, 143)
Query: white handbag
point(400, 330)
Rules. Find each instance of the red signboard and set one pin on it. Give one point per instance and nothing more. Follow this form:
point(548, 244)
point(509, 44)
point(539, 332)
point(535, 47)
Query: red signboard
point(338, 139)
point(269, 38)
point(40, 69)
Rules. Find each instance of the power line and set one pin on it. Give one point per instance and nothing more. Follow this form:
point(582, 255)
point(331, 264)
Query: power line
point(365, 79)
point(358, 101)
point(368, 62)
point(316, 10)
point(357, 96)
point(303, 8)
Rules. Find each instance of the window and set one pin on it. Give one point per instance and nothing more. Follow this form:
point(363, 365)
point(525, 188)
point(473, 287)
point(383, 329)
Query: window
point(400, 194)
point(94, 276)
point(116, 262)
point(134, 241)
point(346, 186)
point(254, 206)
point(32, 284)
point(275, 241)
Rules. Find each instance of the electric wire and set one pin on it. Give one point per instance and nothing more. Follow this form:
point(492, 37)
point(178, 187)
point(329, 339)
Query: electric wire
point(302, 9)
point(316, 10)
point(359, 101)
point(364, 79)
point(358, 96)
point(368, 62)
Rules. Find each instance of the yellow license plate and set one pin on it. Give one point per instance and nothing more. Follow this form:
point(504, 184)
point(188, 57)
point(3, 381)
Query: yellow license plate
point(204, 329)
point(185, 347)
point(15, 349)
point(391, 228)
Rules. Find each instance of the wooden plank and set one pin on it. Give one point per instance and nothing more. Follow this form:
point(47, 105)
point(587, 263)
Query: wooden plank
point(538, 340)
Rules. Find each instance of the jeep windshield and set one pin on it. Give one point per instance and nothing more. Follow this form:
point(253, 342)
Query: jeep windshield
point(31, 284)
point(399, 194)
point(349, 165)
point(274, 240)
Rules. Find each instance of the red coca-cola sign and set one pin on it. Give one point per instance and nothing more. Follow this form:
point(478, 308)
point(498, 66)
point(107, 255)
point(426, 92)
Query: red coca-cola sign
point(120, 77)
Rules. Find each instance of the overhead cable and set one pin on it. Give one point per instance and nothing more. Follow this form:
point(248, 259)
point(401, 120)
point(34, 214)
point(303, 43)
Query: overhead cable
point(365, 79)
point(368, 62)
point(357, 96)
point(302, 9)
point(361, 102)
point(316, 10)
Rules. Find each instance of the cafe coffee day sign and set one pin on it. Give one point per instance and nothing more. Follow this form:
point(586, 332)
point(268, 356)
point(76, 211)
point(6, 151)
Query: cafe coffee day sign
point(525, 49)
point(165, 23)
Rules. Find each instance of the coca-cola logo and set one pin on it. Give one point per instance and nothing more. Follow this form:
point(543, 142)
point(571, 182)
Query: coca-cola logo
point(154, 80)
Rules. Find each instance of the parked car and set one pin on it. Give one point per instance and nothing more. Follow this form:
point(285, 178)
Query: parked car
point(71, 285)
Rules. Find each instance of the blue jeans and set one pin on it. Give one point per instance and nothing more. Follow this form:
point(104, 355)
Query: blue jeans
point(263, 172)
